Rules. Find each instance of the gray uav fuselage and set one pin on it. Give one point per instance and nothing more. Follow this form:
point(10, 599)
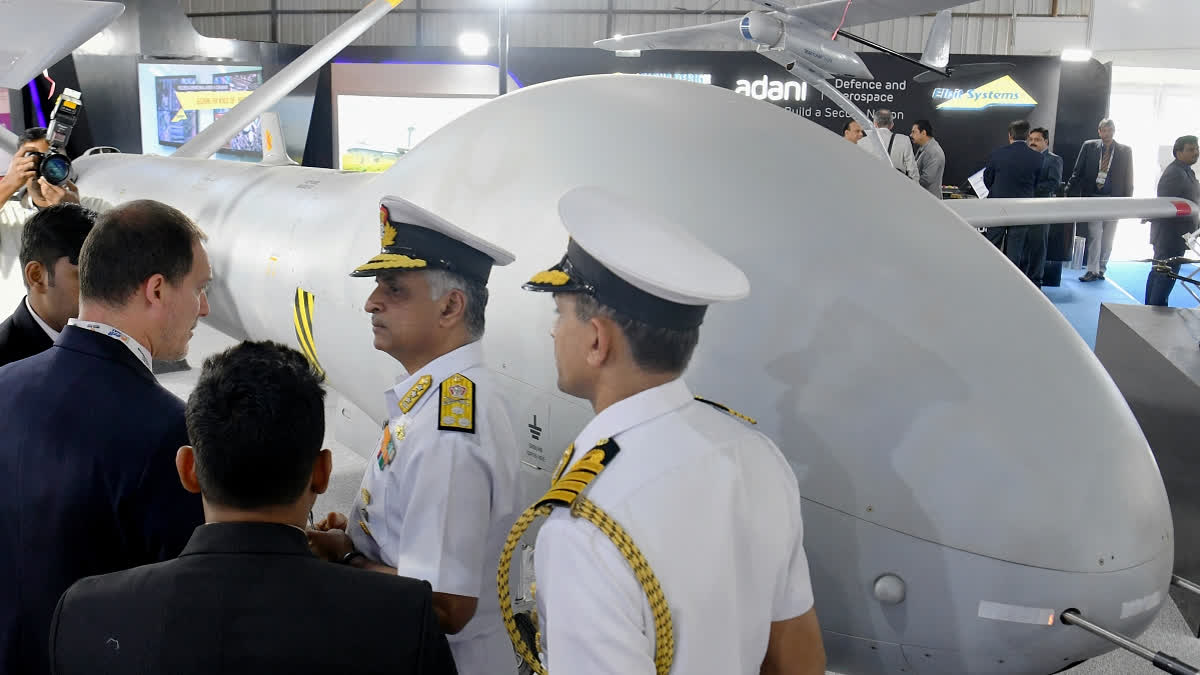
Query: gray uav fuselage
point(896, 412)
point(969, 470)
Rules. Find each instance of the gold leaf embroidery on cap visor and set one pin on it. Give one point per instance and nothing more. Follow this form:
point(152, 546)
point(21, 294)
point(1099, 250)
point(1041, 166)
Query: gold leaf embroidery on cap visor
point(391, 261)
point(551, 278)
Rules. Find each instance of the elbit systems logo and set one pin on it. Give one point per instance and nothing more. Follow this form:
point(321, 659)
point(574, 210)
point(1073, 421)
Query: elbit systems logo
point(1001, 92)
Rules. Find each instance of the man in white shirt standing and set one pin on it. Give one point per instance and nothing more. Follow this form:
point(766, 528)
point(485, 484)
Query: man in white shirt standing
point(440, 494)
point(712, 505)
point(50, 245)
point(898, 147)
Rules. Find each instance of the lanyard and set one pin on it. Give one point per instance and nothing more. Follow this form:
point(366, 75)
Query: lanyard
point(134, 346)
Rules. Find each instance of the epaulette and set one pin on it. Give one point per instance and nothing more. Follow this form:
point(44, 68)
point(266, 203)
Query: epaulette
point(414, 395)
point(566, 488)
point(457, 405)
point(727, 410)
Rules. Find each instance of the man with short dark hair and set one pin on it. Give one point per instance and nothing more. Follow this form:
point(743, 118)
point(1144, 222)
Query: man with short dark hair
point(852, 131)
point(88, 436)
point(39, 194)
point(22, 169)
point(1178, 180)
point(931, 159)
point(708, 506)
point(247, 595)
point(1012, 171)
point(438, 499)
point(50, 243)
point(1049, 178)
point(1103, 168)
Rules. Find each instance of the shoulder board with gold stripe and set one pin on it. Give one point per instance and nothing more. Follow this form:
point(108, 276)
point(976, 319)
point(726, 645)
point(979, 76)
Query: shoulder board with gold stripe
point(416, 393)
point(562, 463)
point(566, 489)
point(726, 409)
point(457, 411)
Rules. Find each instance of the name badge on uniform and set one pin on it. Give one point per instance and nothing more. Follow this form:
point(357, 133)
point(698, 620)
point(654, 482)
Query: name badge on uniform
point(1101, 178)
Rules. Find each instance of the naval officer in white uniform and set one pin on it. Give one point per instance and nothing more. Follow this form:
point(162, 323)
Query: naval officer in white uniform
point(440, 493)
point(711, 503)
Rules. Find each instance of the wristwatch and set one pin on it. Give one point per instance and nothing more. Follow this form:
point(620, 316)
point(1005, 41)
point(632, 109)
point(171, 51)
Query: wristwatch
point(351, 556)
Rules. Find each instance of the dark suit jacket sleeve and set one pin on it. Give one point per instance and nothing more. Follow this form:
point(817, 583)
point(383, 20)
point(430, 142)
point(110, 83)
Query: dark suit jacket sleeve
point(54, 633)
point(169, 512)
point(435, 658)
point(1127, 160)
point(1173, 183)
point(1080, 162)
point(1048, 185)
point(989, 172)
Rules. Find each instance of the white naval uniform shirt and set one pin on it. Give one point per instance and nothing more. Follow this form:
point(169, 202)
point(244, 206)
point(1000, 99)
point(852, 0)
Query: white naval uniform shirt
point(441, 509)
point(714, 508)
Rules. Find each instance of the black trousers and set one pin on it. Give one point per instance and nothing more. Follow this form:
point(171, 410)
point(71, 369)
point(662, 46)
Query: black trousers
point(1025, 246)
point(1158, 286)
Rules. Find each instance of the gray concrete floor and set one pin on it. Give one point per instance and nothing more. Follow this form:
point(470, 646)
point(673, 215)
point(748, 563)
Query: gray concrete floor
point(1168, 634)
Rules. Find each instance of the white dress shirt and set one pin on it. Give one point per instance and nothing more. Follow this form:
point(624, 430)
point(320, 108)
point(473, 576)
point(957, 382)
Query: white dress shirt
point(45, 326)
point(441, 509)
point(143, 355)
point(714, 508)
point(902, 156)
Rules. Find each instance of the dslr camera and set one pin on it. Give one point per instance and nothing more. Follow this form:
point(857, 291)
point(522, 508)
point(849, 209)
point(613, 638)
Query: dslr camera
point(55, 166)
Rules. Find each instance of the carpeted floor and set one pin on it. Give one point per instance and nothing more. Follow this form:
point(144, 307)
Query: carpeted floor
point(1125, 283)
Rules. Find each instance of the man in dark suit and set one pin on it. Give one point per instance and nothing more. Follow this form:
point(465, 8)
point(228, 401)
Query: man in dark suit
point(1012, 171)
point(1104, 168)
point(1048, 180)
point(50, 243)
point(87, 435)
point(247, 595)
point(1166, 234)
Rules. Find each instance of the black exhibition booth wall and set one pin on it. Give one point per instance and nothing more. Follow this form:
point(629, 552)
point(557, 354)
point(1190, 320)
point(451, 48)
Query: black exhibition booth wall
point(1068, 98)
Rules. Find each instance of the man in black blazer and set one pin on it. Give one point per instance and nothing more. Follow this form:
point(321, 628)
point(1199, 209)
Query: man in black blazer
point(247, 595)
point(50, 243)
point(1104, 168)
point(88, 437)
point(1012, 171)
point(1166, 234)
point(1048, 180)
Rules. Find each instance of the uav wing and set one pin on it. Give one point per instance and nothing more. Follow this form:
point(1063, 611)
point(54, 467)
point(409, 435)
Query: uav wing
point(1009, 212)
point(36, 34)
point(722, 36)
point(828, 14)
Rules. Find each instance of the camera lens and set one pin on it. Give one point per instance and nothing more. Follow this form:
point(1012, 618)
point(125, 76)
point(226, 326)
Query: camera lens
point(56, 169)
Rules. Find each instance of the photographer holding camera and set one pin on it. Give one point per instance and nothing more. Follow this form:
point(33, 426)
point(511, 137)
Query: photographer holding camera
point(41, 165)
point(40, 194)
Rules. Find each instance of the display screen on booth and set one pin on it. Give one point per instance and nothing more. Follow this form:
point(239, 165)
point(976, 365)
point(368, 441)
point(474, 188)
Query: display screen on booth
point(366, 144)
point(179, 100)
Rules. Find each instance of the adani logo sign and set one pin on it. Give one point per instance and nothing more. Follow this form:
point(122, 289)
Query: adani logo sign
point(1002, 92)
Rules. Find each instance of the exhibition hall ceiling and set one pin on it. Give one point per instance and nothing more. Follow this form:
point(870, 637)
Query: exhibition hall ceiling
point(983, 27)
